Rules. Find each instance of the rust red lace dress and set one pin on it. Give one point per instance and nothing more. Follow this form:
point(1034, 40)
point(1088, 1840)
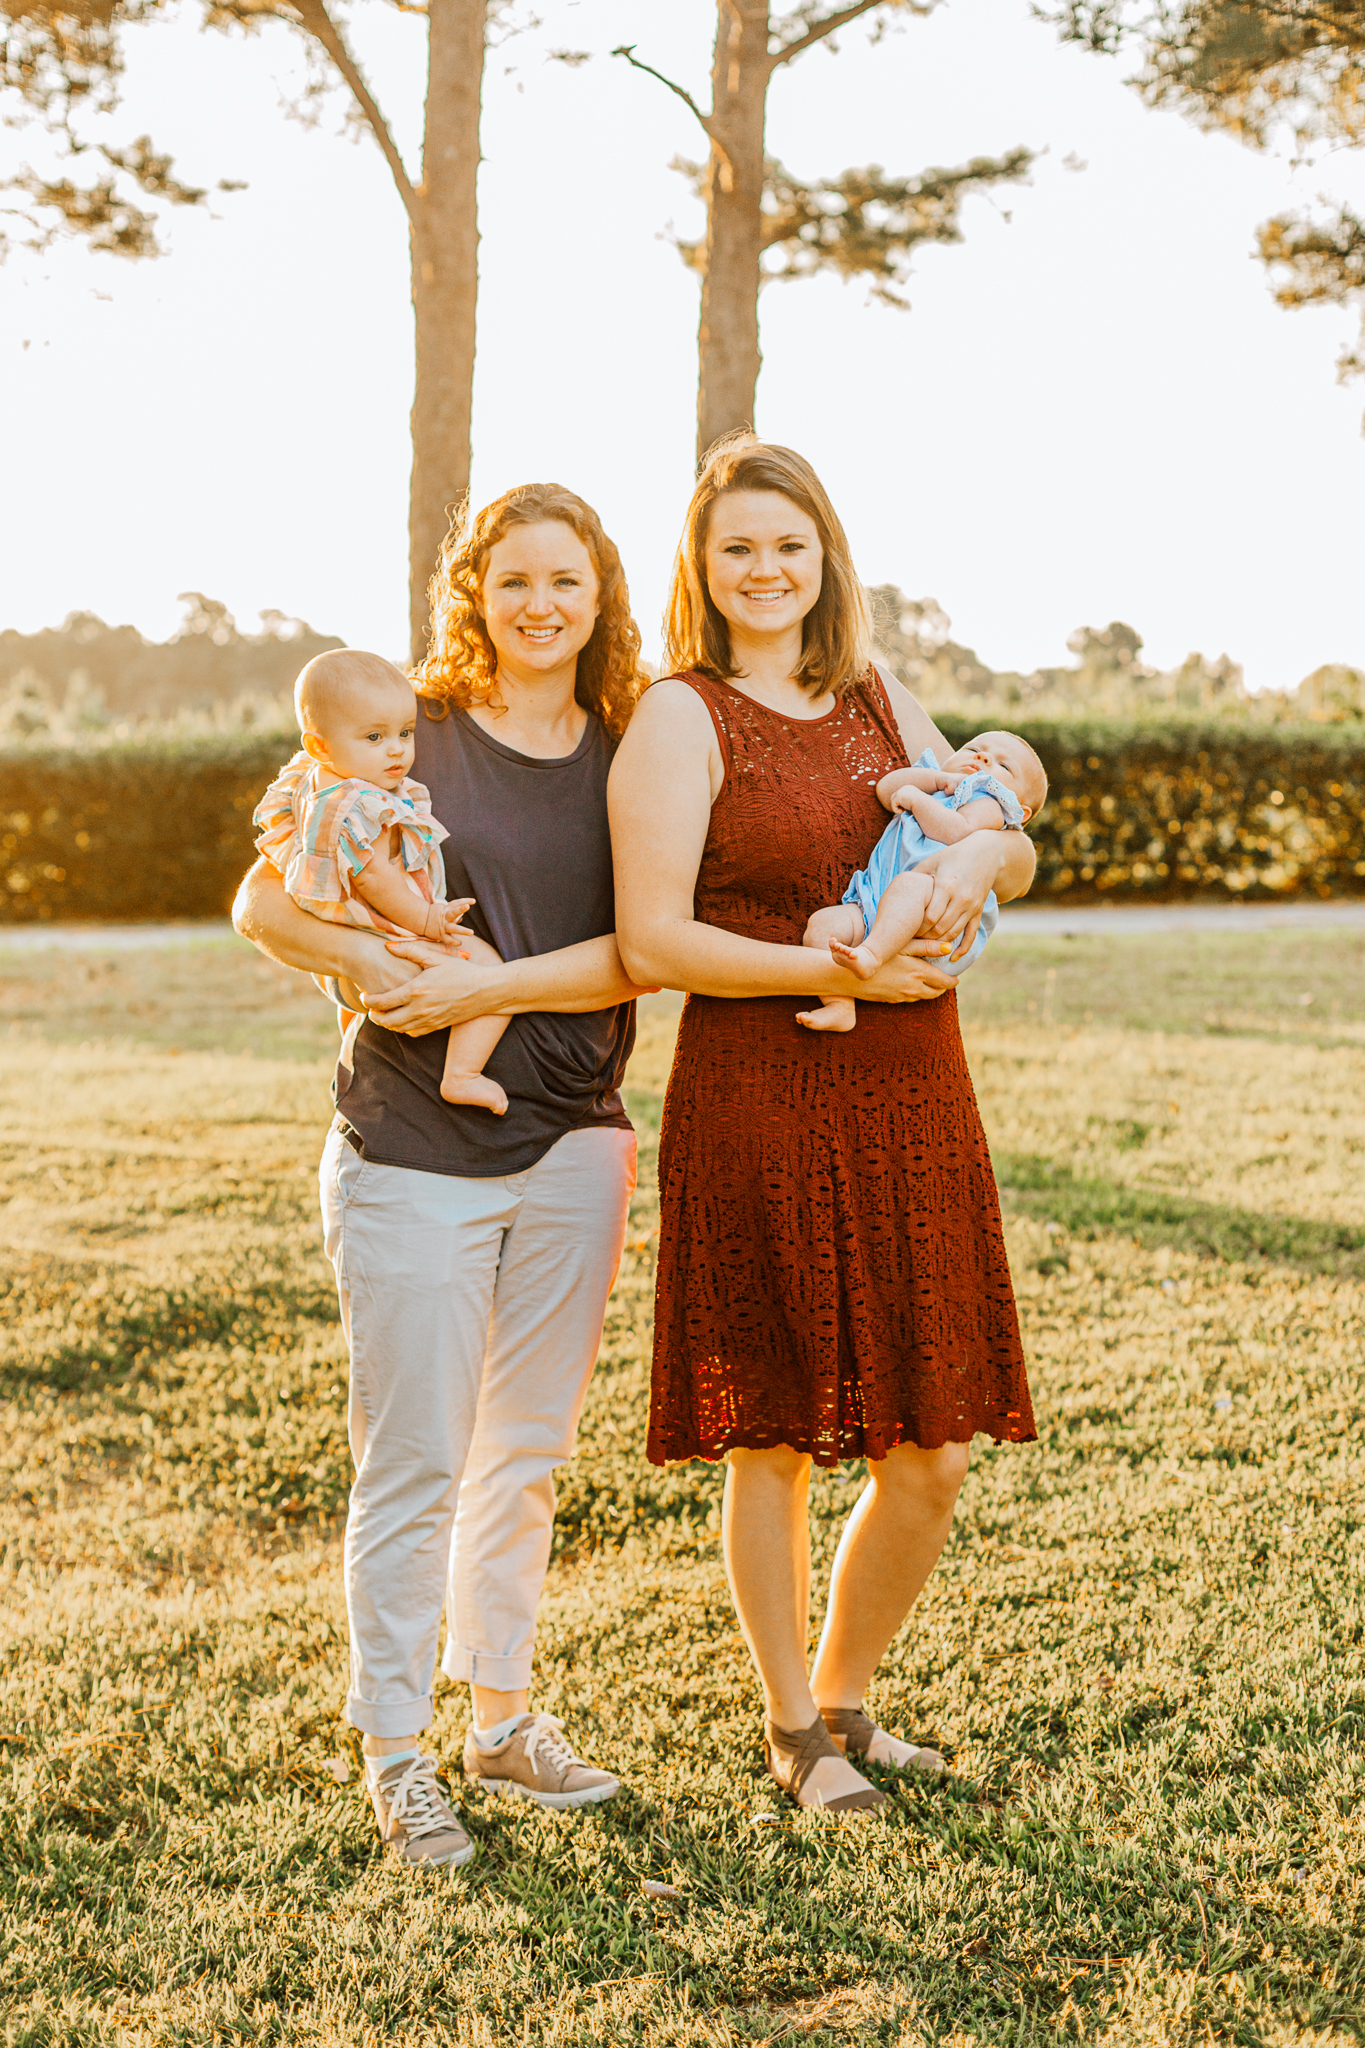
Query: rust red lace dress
point(832, 1271)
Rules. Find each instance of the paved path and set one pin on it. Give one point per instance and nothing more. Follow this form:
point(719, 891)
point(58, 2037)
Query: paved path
point(117, 938)
point(1019, 919)
point(1016, 921)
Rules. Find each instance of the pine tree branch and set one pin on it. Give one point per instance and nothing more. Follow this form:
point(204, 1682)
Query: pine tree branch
point(1104, 25)
point(627, 50)
point(864, 224)
point(1323, 262)
point(817, 32)
point(313, 16)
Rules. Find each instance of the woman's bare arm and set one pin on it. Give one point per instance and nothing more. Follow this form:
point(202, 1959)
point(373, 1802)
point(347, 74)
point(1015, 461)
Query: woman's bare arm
point(917, 728)
point(1017, 869)
point(412, 986)
point(448, 990)
point(664, 779)
point(267, 915)
point(965, 874)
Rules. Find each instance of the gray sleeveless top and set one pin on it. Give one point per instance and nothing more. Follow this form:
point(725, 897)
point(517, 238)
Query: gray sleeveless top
point(529, 840)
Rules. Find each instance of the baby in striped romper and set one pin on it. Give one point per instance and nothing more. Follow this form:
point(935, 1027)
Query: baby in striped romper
point(355, 840)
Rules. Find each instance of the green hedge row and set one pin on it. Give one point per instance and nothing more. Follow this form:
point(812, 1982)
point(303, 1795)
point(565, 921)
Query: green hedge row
point(1194, 808)
point(137, 831)
point(149, 830)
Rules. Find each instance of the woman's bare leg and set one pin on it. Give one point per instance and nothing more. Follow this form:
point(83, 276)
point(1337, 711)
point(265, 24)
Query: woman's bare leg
point(900, 913)
point(891, 1543)
point(839, 922)
point(463, 1079)
point(766, 1531)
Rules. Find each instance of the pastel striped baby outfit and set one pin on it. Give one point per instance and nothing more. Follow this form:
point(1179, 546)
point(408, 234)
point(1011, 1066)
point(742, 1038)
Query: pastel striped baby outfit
point(320, 831)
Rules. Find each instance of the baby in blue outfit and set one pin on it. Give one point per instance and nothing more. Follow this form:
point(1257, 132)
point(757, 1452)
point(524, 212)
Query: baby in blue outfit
point(995, 783)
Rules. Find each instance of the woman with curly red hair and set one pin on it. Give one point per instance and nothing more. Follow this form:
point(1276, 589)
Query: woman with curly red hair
point(474, 1254)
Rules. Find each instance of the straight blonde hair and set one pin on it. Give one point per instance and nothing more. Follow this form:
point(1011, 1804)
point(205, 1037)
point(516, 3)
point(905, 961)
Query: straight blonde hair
point(836, 633)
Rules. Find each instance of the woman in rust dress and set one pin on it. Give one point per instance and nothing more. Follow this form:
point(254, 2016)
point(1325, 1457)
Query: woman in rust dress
point(832, 1274)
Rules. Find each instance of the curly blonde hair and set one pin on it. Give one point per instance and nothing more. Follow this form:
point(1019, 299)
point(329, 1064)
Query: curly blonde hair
point(836, 634)
point(461, 662)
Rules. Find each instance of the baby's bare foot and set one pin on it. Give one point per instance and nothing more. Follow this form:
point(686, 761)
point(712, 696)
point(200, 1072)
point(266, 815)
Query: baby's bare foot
point(476, 1090)
point(859, 960)
point(840, 1015)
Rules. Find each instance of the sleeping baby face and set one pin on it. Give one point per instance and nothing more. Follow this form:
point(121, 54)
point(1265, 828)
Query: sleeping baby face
point(1010, 760)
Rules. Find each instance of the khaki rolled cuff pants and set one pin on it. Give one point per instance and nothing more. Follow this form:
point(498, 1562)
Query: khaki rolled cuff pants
point(473, 1313)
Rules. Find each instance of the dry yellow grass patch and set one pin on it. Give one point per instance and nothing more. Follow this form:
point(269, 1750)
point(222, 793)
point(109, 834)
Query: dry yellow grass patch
point(1277, 1129)
point(1143, 1646)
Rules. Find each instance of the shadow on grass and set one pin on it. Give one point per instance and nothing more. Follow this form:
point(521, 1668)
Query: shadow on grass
point(62, 1324)
point(1032, 1186)
point(778, 1918)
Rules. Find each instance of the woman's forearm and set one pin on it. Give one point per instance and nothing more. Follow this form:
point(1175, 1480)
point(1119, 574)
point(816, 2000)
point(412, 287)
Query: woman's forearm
point(707, 961)
point(589, 976)
point(1018, 865)
point(449, 990)
point(1003, 861)
point(267, 915)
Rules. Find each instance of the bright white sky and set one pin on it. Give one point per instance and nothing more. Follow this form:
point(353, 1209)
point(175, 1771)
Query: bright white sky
point(1094, 410)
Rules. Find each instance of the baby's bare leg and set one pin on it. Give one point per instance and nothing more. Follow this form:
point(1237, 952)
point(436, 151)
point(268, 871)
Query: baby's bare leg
point(899, 917)
point(471, 1044)
point(841, 921)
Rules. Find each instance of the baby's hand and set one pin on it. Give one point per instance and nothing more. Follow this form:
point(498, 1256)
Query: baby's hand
point(445, 921)
point(923, 783)
point(904, 799)
point(909, 782)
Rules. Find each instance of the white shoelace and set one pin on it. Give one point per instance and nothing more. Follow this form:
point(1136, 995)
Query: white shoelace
point(417, 1801)
point(544, 1735)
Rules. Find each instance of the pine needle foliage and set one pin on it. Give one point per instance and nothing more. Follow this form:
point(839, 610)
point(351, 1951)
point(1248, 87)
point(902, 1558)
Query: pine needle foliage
point(62, 62)
point(1264, 71)
point(764, 223)
point(861, 224)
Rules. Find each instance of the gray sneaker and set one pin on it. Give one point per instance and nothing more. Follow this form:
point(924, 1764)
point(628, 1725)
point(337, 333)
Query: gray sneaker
point(535, 1762)
point(416, 1821)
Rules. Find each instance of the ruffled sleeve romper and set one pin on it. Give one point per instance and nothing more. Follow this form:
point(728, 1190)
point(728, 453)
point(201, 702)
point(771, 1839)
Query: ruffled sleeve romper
point(832, 1270)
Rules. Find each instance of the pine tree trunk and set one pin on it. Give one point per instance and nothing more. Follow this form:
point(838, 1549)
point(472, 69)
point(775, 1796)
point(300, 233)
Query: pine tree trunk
point(728, 339)
point(445, 242)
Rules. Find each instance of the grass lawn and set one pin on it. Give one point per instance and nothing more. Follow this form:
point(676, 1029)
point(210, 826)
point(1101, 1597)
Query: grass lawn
point(1142, 1650)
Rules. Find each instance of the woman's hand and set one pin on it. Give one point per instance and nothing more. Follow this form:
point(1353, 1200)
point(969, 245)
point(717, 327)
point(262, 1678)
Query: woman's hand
point(439, 988)
point(380, 975)
point(964, 875)
point(907, 979)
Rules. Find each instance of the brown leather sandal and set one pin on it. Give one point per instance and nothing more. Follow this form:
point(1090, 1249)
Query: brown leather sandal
point(801, 1752)
point(859, 1734)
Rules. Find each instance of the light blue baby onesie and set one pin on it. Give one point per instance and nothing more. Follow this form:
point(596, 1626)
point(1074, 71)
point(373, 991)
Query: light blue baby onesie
point(903, 846)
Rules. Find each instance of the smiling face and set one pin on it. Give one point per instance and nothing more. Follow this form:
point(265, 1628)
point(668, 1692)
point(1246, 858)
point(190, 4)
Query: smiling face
point(1011, 760)
point(764, 563)
point(367, 730)
point(539, 598)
